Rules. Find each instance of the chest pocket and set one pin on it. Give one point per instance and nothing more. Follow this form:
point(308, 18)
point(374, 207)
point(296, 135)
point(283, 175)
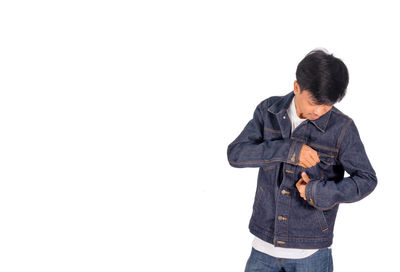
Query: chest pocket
point(327, 157)
point(326, 160)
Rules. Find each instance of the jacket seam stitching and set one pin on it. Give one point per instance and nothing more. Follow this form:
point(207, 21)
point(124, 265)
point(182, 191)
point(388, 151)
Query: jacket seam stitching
point(255, 162)
point(318, 219)
point(272, 130)
point(300, 238)
point(324, 147)
point(340, 140)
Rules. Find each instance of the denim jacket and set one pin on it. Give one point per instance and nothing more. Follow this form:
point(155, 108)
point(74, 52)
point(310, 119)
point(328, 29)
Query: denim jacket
point(280, 216)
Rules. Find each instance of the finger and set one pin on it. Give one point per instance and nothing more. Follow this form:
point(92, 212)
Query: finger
point(315, 157)
point(302, 149)
point(305, 177)
point(312, 160)
point(306, 162)
point(298, 183)
point(302, 164)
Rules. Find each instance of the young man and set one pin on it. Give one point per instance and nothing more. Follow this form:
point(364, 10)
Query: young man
point(302, 145)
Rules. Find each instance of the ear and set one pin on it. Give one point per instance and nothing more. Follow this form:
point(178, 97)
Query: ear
point(296, 87)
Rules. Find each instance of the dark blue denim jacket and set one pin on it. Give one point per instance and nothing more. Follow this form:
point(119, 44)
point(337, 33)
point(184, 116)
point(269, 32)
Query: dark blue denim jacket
point(280, 216)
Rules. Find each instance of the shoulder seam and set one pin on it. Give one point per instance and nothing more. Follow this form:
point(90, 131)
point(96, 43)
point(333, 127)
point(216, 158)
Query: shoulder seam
point(340, 113)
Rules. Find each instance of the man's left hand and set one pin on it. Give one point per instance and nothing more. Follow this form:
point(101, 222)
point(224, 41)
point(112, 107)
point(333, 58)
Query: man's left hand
point(301, 184)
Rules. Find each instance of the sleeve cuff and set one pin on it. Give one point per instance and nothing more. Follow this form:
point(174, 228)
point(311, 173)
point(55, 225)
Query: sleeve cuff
point(310, 192)
point(294, 152)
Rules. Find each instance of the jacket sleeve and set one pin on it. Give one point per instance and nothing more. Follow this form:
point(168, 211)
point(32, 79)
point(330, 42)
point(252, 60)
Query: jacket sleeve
point(250, 149)
point(362, 181)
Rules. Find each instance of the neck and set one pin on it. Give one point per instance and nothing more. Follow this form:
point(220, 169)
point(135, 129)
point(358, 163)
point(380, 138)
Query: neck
point(297, 111)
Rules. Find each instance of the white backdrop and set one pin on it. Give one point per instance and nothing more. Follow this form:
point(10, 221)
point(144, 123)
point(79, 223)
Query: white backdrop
point(116, 117)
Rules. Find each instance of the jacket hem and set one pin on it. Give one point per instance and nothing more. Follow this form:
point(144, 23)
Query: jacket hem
point(291, 242)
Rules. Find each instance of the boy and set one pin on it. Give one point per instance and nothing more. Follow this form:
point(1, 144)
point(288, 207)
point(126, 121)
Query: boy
point(302, 145)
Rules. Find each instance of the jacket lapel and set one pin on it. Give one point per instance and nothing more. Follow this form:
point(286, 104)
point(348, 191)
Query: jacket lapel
point(279, 108)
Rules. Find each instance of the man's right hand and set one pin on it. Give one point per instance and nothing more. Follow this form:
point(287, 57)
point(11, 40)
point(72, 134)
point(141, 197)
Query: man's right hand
point(308, 157)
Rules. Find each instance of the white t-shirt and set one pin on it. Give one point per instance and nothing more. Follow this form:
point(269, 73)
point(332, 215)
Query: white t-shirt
point(270, 249)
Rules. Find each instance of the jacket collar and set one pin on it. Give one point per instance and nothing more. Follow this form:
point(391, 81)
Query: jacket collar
point(280, 108)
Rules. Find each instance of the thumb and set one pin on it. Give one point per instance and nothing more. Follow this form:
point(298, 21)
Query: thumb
point(305, 177)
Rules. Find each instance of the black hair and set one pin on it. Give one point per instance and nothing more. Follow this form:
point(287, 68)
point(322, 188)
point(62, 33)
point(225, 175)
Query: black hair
point(324, 76)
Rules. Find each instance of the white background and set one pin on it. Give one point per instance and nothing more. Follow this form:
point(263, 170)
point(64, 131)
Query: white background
point(115, 117)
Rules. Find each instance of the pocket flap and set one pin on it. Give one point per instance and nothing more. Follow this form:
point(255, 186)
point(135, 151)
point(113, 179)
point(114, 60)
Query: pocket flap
point(327, 155)
point(326, 160)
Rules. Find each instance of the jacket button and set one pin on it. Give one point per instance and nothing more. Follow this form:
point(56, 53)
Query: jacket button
point(282, 218)
point(293, 159)
point(284, 192)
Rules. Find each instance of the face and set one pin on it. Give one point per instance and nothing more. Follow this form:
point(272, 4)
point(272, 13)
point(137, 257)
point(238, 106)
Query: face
point(305, 107)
